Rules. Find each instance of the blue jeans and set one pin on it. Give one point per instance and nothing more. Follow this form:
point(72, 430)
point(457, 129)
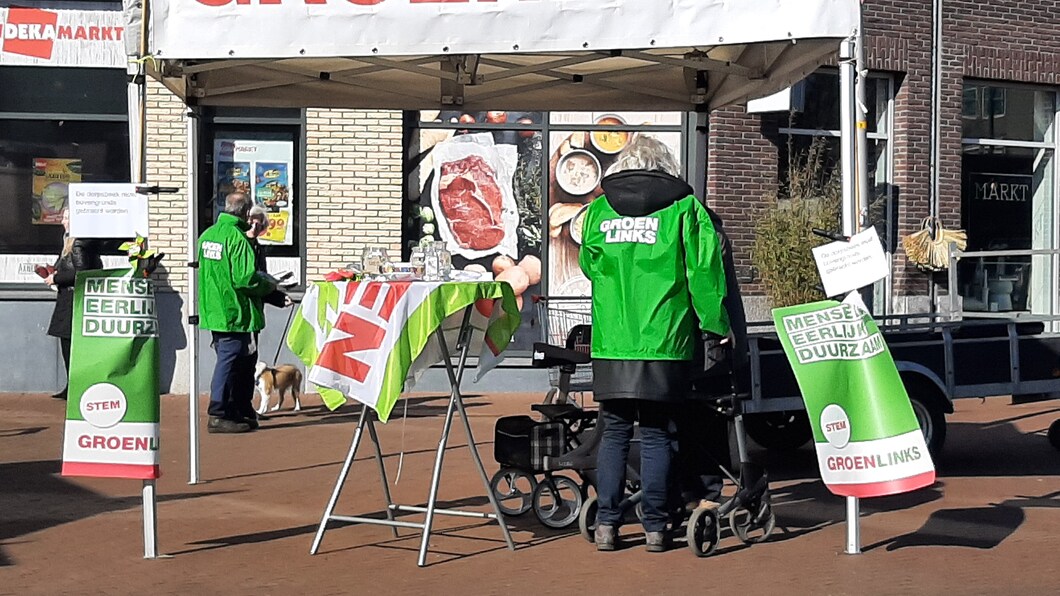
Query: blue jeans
point(232, 388)
point(656, 440)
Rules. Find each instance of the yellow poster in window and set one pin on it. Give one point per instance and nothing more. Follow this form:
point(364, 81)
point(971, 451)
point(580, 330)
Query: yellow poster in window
point(51, 180)
point(278, 228)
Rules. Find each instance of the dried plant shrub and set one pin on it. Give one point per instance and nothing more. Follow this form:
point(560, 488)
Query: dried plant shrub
point(811, 198)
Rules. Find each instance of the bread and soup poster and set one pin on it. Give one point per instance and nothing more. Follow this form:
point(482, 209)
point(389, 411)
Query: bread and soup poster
point(495, 194)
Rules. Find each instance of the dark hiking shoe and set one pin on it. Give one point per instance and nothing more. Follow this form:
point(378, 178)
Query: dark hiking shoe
point(60, 395)
point(655, 541)
point(226, 426)
point(604, 536)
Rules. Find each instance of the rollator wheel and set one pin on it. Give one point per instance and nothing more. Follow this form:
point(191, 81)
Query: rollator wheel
point(704, 532)
point(557, 501)
point(750, 528)
point(1054, 434)
point(514, 490)
point(587, 519)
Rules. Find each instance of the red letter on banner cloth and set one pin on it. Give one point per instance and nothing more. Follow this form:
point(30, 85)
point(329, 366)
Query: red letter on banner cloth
point(364, 335)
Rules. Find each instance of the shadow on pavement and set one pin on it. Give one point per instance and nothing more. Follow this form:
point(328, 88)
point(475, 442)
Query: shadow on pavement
point(34, 497)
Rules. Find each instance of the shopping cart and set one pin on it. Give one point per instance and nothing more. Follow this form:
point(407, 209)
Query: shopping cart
point(566, 321)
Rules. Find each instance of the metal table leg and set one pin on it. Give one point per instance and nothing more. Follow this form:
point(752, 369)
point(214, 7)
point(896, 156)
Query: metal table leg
point(456, 405)
point(382, 474)
point(340, 481)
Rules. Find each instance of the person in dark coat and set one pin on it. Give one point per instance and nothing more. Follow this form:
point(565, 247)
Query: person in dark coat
point(702, 434)
point(650, 250)
point(77, 255)
point(259, 223)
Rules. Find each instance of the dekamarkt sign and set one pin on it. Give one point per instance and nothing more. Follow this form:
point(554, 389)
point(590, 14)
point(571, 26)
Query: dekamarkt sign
point(36, 37)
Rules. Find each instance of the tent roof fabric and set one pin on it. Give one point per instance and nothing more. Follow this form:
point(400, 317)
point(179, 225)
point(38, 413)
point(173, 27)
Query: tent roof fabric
point(700, 54)
point(672, 79)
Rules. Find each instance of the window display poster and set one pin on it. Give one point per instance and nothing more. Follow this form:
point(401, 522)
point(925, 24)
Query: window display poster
point(51, 187)
point(578, 161)
point(262, 169)
point(480, 192)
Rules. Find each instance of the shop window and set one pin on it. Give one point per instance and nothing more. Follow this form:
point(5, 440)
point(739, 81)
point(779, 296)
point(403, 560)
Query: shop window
point(547, 167)
point(814, 121)
point(1004, 113)
point(57, 126)
point(260, 152)
point(1008, 200)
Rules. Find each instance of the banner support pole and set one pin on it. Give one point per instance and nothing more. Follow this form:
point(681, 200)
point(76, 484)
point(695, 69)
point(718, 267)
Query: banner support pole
point(150, 510)
point(853, 527)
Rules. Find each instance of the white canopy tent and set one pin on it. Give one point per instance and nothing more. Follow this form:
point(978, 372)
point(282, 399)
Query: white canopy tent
point(526, 55)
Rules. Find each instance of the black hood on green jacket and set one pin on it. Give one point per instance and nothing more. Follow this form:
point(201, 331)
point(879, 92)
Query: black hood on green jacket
point(636, 193)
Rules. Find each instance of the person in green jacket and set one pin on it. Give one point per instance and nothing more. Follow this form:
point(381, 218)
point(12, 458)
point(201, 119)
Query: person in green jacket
point(651, 252)
point(230, 306)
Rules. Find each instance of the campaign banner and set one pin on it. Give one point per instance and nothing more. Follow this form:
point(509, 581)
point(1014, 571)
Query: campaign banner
point(112, 412)
point(184, 29)
point(38, 37)
point(369, 341)
point(866, 434)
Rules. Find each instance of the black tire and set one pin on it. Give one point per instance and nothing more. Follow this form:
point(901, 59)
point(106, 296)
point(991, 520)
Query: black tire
point(587, 519)
point(703, 532)
point(750, 528)
point(782, 431)
point(932, 420)
point(1054, 434)
point(514, 490)
point(557, 501)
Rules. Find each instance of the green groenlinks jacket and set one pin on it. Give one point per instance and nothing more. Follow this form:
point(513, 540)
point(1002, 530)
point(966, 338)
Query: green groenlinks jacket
point(650, 249)
point(230, 289)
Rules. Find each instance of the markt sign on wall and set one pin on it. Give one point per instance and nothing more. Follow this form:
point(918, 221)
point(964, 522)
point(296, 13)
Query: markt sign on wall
point(36, 37)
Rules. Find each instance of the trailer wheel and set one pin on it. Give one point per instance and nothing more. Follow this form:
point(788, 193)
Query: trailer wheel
point(780, 431)
point(1054, 434)
point(932, 420)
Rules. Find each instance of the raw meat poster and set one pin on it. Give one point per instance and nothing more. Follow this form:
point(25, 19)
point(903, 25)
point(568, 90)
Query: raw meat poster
point(261, 169)
point(480, 192)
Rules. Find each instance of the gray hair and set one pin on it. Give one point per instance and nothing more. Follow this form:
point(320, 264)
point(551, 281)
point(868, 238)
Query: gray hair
point(259, 212)
point(238, 204)
point(646, 153)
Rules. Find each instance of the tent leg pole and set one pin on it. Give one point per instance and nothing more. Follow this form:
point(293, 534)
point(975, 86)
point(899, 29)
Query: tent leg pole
point(192, 302)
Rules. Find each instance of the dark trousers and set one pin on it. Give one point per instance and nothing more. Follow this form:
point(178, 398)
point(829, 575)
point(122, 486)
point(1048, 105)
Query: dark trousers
point(232, 388)
point(64, 347)
point(702, 445)
point(657, 434)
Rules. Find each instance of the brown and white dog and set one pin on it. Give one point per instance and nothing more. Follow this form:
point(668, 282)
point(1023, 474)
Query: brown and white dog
point(279, 378)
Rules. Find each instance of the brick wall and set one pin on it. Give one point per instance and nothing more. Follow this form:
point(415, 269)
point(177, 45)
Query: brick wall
point(742, 168)
point(1005, 41)
point(354, 184)
point(167, 158)
point(353, 178)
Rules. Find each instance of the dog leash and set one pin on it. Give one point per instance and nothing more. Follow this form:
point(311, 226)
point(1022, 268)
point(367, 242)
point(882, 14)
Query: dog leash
point(283, 338)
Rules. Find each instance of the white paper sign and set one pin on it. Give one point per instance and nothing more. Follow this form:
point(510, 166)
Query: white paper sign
point(847, 266)
point(107, 211)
